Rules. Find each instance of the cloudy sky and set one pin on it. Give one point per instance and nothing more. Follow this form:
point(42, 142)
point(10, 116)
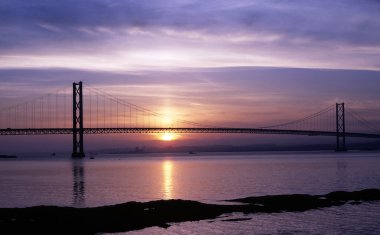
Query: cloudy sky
point(224, 62)
point(130, 35)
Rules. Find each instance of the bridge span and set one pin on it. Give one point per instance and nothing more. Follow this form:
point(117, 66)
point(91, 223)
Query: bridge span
point(147, 130)
point(107, 114)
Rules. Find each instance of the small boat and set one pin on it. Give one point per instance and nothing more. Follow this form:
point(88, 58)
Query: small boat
point(191, 152)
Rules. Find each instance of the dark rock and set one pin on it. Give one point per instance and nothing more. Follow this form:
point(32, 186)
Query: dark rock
point(138, 215)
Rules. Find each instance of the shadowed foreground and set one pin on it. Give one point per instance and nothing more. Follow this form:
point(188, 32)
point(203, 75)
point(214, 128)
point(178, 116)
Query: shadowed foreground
point(137, 215)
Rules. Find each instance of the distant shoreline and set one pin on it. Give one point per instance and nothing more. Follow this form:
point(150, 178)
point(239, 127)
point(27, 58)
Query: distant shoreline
point(106, 155)
point(365, 147)
point(138, 215)
point(211, 149)
point(7, 156)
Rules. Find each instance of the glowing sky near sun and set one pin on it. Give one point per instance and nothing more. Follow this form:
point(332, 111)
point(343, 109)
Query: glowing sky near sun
point(232, 63)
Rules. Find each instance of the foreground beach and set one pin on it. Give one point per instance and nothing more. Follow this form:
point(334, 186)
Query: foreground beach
point(138, 215)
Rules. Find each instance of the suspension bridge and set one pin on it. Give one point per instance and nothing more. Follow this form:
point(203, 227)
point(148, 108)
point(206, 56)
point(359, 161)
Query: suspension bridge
point(64, 112)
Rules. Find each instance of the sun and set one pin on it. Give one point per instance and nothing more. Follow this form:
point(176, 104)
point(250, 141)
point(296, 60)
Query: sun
point(167, 137)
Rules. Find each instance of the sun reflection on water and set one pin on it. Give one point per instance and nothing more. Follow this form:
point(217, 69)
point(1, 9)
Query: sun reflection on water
point(167, 168)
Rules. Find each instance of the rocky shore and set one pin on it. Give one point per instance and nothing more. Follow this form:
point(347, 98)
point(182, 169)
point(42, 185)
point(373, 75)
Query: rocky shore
point(138, 215)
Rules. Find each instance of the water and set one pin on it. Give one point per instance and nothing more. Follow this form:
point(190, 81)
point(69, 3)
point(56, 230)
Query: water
point(112, 179)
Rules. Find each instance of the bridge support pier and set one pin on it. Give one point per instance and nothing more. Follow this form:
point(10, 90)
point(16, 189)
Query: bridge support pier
point(340, 128)
point(77, 121)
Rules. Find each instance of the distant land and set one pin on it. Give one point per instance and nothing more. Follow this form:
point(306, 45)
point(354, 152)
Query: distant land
point(370, 146)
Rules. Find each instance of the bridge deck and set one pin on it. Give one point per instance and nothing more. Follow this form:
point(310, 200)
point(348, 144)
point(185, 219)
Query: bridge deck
point(54, 131)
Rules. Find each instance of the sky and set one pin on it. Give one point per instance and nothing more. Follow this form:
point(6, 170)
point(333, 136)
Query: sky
point(232, 63)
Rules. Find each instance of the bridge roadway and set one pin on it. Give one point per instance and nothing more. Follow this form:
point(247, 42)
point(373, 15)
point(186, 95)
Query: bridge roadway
point(60, 131)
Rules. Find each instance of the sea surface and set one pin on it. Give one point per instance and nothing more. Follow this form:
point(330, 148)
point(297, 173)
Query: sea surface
point(211, 178)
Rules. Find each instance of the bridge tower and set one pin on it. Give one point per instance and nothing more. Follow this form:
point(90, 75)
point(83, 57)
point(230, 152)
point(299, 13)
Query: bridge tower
point(77, 121)
point(340, 128)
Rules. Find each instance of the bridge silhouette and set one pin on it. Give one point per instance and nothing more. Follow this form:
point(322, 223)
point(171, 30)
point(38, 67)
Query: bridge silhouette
point(51, 114)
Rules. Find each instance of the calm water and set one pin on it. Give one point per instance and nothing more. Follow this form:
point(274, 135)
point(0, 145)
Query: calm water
point(111, 179)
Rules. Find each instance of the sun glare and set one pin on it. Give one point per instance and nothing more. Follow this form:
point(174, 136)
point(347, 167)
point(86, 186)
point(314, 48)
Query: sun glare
point(167, 137)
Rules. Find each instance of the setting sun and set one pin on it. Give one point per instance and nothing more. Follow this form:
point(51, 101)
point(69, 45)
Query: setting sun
point(167, 136)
